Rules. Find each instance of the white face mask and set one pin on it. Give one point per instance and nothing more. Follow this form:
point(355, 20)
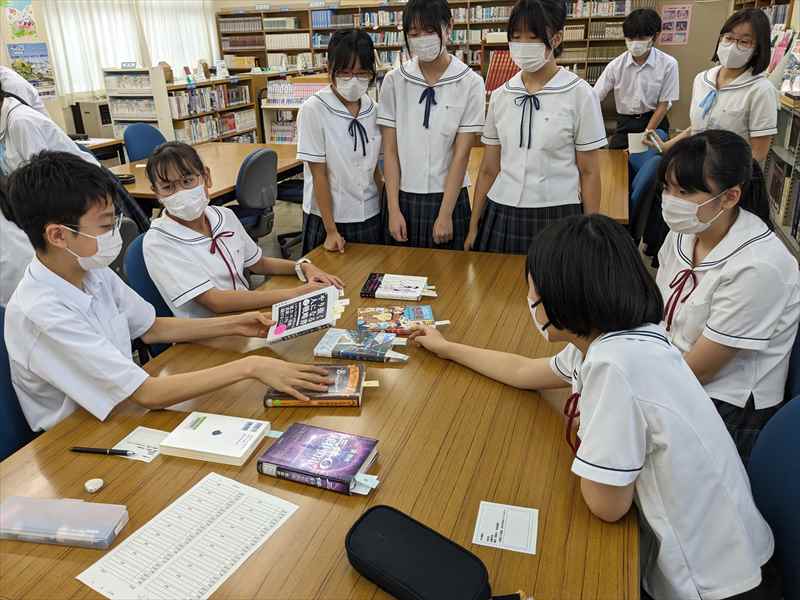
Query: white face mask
point(426, 47)
point(187, 205)
point(731, 57)
point(351, 89)
point(638, 47)
point(681, 215)
point(109, 245)
point(528, 56)
point(542, 329)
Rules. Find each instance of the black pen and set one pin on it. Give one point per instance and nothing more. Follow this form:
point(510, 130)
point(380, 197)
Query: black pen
point(107, 451)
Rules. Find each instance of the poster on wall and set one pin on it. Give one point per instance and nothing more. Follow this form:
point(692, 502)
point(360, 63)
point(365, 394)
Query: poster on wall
point(32, 62)
point(19, 18)
point(675, 19)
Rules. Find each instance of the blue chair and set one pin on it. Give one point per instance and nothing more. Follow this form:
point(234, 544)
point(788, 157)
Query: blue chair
point(141, 139)
point(773, 470)
point(793, 379)
point(256, 189)
point(139, 279)
point(14, 429)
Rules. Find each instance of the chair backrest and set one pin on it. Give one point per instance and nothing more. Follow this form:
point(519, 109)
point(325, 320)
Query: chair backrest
point(793, 379)
point(141, 139)
point(773, 470)
point(257, 182)
point(129, 232)
point(139, 278)
point(14, 429)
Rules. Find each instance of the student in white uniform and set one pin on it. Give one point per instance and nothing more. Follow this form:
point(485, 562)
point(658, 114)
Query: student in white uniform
point(16, 251)
point(340, 143)
point(12, 82)
point(644, 80)
point(543, 130)
point(646, 432)
point(69, 325)
point(197, 254)
point(730, 286)
point(430, 109)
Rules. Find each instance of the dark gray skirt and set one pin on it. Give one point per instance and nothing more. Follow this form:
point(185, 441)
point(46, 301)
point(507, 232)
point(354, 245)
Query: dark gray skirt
point(366, 232)
point(510, 230)
point(744, 424)
point(421, 211)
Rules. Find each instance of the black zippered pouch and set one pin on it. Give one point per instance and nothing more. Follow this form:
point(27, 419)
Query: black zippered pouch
point(411, 561)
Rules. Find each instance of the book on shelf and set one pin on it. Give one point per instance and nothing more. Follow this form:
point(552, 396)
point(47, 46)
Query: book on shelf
point(215, 438)
point(303, 315)
point(287, 41)
point(388, 286)
point(346, 390)
point(353, 344)
point(501, 69)
point(795, 220)
point(321, 458)
point(278, 23)
point(396, 319)
point(775, 182)
point(235, 42)
point(240, 25)
point(783, 216)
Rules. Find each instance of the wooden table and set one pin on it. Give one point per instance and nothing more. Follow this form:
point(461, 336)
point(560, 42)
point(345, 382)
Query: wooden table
point(96, 145)
point(222, 159)
point(449, 438)
point(613, 173)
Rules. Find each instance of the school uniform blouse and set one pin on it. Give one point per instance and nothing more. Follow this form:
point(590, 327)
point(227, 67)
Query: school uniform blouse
point(184, 264)
point(350, 147)
point(644, 418)
point(747, 106)
point(427, 119)
point(639, 88)
point(538, 135)
point(745, 294)
point(16, 253)
point(71, 347)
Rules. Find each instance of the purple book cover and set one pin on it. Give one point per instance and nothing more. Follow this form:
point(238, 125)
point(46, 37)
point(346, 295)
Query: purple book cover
point(317, 456)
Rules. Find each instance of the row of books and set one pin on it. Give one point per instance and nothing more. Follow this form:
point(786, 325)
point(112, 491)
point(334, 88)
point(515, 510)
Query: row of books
point(240, 25)
point(478, 14)
point(574, 33)
point(277, 23)
point(605, 31)
point(283, 133)
point(386, 38)
point(392, 58)
point(618, 8)
point(234, 42)
point(501, 69)
point(302, 60)
point(287, 41)
point(593, 73)
point(782, 41)
point(285, 93)
point(245, 138)
point(240, 120)
point(329, 18)
point(605, 52)
point(185, 103)
point(777, 13)
point(381, 18)
point(132, 106)
point(198, 130)
point(320, 41)
point(127, 82)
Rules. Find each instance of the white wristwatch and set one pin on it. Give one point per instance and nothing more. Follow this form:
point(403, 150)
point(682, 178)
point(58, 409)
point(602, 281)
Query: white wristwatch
point(298, 268)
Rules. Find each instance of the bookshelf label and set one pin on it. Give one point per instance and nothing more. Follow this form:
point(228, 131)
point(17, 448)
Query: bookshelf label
point(262, 7)
point(128, 64)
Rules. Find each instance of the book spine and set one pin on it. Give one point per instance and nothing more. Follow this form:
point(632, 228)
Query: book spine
point(324, 483)
point(306, 332)
point(360, 355)
point(312, 403)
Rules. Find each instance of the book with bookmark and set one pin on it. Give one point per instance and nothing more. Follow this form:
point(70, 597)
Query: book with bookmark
point(352, 344)
point(347, 390)
point(396, 319)
point(387, 286)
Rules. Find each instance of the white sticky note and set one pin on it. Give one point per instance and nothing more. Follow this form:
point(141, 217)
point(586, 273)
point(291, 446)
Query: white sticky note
point(144, 442)
point(507, 527)
point(272, 433)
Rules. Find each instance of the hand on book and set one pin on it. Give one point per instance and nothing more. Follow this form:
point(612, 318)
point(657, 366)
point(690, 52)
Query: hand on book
point(316, 275)
point(443, 229)
point(290, 378)
point(429, 338)
point(252, 324)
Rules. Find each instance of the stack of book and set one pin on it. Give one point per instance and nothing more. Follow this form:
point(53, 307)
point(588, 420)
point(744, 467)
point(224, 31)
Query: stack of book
point(240, 25)
point(287, 41)
point(501, 69)
point(291, 94)
point(278, 23)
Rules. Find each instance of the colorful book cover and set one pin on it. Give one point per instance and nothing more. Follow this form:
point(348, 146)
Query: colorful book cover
point(319, 457)
point(352, 344)
point(346, 389)
point(394, 319)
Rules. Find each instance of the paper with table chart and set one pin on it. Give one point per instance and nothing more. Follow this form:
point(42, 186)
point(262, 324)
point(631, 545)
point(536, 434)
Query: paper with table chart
point(191, 547)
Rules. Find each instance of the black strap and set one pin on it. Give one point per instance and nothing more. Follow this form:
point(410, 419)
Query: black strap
point(526, 101)
point(429, 97)
point(508, 597)
point(357, 131)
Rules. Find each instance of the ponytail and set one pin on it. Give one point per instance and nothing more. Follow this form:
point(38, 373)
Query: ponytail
point(755, 198)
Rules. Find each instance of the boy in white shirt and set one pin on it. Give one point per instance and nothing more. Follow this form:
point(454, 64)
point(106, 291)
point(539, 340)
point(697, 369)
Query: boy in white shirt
point(197, 254)
point(69, 324)
point(644, 79)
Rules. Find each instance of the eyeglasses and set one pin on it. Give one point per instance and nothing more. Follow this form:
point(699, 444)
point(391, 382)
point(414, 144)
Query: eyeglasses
point(741, 44)
point(76, 228)
point(184, 183)
point(363, 77)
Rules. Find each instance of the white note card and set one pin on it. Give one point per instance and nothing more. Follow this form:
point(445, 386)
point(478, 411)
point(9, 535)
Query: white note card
point(191, 547)
point(144, 441)
point(507, 527)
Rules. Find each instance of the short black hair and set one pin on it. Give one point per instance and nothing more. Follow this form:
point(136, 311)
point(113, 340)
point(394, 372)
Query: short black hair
point(346, 47)
point(543, 18)
point(714, 161)
point(642, 22)
point(591, 278)
point(179, 155)
point(761, 34)
point(56, 187)
point(427, 14)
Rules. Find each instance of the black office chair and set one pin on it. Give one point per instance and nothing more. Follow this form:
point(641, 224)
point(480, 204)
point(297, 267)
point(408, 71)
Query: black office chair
point(290, 190)
point(129, 231)
point(256, 189)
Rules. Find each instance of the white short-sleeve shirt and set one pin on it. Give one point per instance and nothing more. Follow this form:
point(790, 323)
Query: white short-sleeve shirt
point(70, 347)
point(25, 132)
point(12, 82)
point(350, 147)
point(426, 153)
point(543, 172)
point(16, 253)
point(181, 263)
point(747, 106)
point(638, 88)
point(747, 297)
point(644, 418)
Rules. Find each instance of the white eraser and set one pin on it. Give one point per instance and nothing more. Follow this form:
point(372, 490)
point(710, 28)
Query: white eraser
point(93, 485)
point(140, 165)
point(372, 383)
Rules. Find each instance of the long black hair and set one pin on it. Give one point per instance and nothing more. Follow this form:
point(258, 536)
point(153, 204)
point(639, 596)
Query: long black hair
point(433, 15)
point(716, 160)
point(543, 18)
point(348, 45)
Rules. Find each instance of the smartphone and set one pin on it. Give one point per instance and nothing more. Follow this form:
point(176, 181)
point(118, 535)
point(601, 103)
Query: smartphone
point(653, 137)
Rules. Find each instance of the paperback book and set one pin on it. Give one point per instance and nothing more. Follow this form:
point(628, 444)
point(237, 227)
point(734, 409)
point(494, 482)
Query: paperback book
point(395, 319)
point(347, 389)
point(386, 286)
point(304, 314)
point(321, 457)
point(352, 344)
